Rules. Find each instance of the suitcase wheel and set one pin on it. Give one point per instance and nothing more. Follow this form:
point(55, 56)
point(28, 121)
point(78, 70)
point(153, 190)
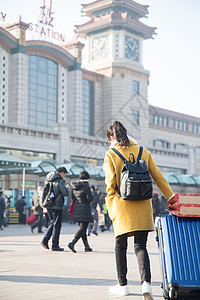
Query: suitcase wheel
point(172, 293)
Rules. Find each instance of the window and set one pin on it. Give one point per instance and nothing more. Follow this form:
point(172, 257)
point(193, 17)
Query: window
point(195, 128)
point(180, 147)
point(136, 117)
point(135, 87)
point(27, 155)
point(87, 107)
point(198, 161)
point(159, 120)
point(161, 144)
point(180, 125)
point(42, 92)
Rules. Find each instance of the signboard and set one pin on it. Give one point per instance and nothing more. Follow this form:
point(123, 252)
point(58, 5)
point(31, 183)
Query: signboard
point(44, 28)
point(28, 184)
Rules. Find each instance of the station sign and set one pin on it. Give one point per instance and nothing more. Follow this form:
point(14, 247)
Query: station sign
point(44, 29)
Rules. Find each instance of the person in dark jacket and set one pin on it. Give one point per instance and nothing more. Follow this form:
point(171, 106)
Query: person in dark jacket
point(156, 206)
point(20, 207)
point(96, 201)
point(2, 208)
point(82, 196)
point(55, 214)
point(37, 210)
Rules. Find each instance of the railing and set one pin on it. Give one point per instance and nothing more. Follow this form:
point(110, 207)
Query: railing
point(167, 152)
point(89, 141)
point(17, 130)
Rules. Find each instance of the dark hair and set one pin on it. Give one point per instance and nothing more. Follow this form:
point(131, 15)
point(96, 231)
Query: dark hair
point(84, 175)
point(93, 187)
point(119, 132)
point(61, 170)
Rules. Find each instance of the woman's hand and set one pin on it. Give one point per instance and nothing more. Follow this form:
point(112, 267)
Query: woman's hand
point(173, 199)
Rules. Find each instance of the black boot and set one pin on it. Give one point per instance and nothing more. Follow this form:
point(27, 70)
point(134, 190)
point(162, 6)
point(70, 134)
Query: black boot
point(87, 247)
point(71, 245)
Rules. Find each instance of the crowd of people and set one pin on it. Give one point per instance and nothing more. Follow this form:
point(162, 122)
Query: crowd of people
point(94, 210)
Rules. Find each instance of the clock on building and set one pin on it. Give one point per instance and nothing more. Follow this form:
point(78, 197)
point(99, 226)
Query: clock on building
point(100, 47)
point(131, 48)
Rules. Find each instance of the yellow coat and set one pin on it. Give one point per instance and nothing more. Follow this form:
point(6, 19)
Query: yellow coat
point(130, 216)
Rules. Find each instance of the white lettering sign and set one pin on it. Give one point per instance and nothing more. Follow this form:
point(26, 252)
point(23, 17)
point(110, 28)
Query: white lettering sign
point(46, 32)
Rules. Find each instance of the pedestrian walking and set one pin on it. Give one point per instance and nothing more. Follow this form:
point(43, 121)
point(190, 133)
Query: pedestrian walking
point(82, 197)
point(37, 210)
point(156, 206)
point(130, 218)
point(108, 222)
point(2, 208)
point(20, 207)
point(7, 210)
point(55, 213)
point(96, 201)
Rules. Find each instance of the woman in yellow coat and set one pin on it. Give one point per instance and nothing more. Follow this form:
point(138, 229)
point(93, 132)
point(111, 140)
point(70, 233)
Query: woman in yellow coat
point(130, 217)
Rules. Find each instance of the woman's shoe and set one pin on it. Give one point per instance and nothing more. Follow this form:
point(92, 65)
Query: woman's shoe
point(147, 291)
point(121, 290)
point(71, 245)
point(88, 249)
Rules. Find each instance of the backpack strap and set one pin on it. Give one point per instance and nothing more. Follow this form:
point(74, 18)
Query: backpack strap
point(140, 153)
point(119, 154)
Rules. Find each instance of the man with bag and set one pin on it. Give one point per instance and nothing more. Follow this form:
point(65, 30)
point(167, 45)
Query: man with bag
point(55, 212)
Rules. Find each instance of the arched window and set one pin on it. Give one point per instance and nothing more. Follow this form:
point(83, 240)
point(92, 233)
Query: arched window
point(42, 92)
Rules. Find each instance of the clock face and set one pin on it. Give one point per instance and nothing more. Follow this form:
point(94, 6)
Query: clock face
point(100, 47)
point(131, 48)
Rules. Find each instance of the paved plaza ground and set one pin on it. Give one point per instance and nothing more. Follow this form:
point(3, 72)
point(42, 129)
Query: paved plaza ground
point(28, 271)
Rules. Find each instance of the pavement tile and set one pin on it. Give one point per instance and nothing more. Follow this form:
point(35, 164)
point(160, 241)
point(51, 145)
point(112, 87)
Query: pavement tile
point(27, 271)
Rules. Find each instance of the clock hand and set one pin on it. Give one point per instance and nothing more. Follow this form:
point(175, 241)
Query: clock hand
point(132, 47)
point(102, 44)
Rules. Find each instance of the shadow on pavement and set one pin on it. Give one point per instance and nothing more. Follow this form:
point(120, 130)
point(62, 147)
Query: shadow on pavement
point(62, 280)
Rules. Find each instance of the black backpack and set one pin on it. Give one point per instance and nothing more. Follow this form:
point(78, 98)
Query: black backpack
point(48, 197)
point(136, 182)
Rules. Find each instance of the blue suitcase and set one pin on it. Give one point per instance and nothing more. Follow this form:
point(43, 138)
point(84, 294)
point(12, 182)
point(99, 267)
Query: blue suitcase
point(179, 252)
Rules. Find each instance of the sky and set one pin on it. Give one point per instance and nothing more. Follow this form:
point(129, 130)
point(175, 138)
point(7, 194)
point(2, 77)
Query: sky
point(172, 57)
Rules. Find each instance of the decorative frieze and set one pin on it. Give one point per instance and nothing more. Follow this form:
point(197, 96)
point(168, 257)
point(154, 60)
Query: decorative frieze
point(28, 132)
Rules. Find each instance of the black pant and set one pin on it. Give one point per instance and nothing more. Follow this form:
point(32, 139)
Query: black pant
point(47, 219)
point(54, 227)
point(140, 241)
point(38, 223)
point(22, 218)
point(81, 233)
point(1, 219)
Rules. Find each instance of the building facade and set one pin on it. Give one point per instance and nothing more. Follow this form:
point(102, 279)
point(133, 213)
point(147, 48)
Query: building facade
point(53, 107)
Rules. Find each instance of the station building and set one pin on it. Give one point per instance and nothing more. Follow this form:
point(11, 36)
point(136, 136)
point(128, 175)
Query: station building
point(54, 108)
